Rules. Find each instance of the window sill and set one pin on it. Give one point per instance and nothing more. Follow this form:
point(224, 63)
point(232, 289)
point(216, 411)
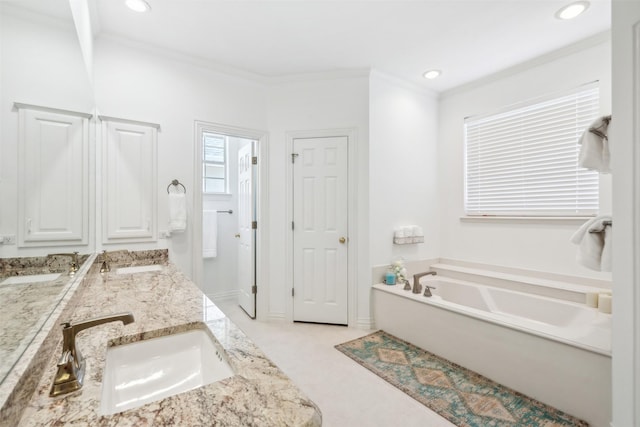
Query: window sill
point(528, 219)
point(217, 195)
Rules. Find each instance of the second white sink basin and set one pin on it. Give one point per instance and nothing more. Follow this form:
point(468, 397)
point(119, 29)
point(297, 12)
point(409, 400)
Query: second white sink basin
point(150, 370)
point(139, 269)
point(35, 278)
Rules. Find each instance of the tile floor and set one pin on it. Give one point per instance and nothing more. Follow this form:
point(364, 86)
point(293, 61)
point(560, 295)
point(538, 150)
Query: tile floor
point(348, 394)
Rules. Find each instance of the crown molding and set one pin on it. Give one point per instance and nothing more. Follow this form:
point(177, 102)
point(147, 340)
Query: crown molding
point(11, 9)
point(598, 39)
point(229, 71)
point(177, 56)
point(397, 81)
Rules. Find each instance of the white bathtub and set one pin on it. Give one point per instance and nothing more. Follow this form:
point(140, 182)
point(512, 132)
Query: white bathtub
point(555, 351)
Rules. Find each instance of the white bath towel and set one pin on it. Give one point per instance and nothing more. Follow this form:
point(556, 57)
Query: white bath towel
point(594, 248)
point(177, 212)
point(210, 234)
point(594, 150)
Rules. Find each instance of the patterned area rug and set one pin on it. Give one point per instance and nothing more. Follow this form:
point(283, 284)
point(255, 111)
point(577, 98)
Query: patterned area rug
point(465, 398)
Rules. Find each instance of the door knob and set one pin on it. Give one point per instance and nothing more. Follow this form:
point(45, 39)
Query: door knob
point(342, 240)
point(237, 236)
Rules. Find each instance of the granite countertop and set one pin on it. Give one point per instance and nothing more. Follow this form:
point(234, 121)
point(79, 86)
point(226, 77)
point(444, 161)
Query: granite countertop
point(165, 302)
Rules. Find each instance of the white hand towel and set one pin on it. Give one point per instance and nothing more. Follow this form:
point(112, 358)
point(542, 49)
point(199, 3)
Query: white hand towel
point(209, 234)
point(594, 150)
point(417, 231)
point(594, 249)
point(177, 212)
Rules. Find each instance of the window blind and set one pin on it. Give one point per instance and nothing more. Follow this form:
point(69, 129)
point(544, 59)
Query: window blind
point(524, 161)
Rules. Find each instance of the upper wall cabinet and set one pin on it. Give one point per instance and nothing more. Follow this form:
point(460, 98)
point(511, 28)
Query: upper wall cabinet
point(53, 177)
point(129, 194)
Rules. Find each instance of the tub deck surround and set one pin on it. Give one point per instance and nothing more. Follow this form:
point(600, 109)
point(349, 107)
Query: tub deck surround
point(533, 282)
point(165, 302)
point(571, 323)
point(554, 351)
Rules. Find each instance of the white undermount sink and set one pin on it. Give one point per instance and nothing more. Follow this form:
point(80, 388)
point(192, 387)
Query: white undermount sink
point(139, 269)
point(34, 278)
point(150, 370)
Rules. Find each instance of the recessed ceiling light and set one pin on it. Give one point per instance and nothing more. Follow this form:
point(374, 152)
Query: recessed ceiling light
point(432, 74)
point(138, 5)
point(572, 10)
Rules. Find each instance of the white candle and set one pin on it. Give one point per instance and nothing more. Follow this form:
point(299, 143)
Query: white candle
point(604, 303)
point(591, 299)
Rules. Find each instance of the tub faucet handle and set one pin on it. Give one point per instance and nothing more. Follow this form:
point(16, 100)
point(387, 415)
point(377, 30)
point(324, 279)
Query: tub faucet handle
point(427, 290)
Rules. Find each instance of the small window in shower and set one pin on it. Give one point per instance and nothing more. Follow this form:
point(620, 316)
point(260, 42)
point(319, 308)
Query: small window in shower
point(214, 163)
point(523, 160)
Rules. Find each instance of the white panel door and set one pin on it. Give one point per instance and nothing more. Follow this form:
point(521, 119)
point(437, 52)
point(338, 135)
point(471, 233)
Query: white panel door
point(53, 177)
point(246, 242)
point(129, 182)
point(320, 230)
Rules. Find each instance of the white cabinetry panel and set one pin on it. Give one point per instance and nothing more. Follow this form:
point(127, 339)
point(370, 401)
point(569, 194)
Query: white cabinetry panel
point(129, 191)
point(53, 177)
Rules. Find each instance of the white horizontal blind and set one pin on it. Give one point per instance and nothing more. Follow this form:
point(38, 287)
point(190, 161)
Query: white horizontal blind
point(524, 162)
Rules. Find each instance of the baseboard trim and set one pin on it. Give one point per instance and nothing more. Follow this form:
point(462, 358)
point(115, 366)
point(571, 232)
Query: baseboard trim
point(276, 317)
point(365, 323)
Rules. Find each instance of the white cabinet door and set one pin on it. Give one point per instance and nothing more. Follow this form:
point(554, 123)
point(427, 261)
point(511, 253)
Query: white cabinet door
point(129, 192)
point(53, 181)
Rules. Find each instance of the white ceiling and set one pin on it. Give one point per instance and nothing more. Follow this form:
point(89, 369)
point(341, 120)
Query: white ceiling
point(466, 39)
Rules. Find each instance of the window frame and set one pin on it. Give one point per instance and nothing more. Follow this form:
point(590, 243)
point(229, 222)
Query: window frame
point(224, 164)
point(583, 176)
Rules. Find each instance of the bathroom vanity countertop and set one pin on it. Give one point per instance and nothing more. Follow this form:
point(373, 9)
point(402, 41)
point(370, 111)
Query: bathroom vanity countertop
point(165, 302)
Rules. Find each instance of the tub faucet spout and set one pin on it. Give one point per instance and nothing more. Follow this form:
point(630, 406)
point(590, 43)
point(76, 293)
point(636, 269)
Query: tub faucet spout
point(417, 287)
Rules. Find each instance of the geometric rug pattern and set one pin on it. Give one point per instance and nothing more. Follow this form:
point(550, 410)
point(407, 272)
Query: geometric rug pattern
point(465, 398)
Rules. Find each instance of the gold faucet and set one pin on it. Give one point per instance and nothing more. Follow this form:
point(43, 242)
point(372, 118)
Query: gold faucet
point(105, 263)
point(74, 261)
point(71, 365)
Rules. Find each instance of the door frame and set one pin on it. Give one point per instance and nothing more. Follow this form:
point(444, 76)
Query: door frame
point(262, 204)
point(625, 162)
point(352, 217)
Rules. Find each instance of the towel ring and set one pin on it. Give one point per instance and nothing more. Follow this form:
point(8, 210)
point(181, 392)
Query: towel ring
point(176, 183)
point(605, 224)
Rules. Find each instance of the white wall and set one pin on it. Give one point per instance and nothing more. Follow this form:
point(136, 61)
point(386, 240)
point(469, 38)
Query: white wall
point(315, 105)
point(147, 86)
point(41, 64)
point(541, 246)
point(403, 175)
